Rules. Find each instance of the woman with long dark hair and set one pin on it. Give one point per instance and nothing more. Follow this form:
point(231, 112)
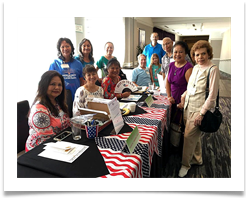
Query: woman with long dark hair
point(49, 113)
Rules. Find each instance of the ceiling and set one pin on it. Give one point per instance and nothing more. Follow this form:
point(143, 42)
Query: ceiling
point(188, 26)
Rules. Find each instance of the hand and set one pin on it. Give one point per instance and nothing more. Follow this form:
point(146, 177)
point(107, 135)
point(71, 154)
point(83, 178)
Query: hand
point(172, 100)
point(198, 120)
point(180, 105)
point(126, 94)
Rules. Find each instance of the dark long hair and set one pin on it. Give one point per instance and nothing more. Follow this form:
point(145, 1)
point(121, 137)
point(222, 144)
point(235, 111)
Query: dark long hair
point(58, 48)
point(42, 92)
point(81, 56)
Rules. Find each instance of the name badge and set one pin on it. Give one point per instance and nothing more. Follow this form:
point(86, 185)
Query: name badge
point(192, 91)
point(65, 66)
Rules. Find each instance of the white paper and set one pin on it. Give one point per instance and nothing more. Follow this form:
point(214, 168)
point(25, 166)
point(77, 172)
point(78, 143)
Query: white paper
point(63, 151)
point(115, 112)
point(132, 98)
point(161, 83)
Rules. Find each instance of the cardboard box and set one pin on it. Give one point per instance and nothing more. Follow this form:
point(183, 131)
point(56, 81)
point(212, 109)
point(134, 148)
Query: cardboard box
point(102, 113)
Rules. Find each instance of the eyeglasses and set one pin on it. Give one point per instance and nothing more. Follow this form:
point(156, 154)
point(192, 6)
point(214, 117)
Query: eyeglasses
point(166, 44)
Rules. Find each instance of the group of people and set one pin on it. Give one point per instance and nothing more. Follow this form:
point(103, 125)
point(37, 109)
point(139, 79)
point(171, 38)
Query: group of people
point(185, 87)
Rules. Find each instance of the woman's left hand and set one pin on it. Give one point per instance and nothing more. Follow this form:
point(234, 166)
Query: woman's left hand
point(198, 120)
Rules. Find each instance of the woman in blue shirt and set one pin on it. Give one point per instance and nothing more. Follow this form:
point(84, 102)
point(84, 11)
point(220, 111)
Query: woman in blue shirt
point(67, 66)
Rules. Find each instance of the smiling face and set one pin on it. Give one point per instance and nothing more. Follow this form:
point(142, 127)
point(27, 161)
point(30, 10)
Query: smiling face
point(155, 60)
point(86, 47)
point(91, 77)
point(154, 38)
point(113, 71)
point(142, 61)
point(54, 88)
point(65, 49)
point(179, 54)
point(201, 56)
point(109, 48)
point(167, 44)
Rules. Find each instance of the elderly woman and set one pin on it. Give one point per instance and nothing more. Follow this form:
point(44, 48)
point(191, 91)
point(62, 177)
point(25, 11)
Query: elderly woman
point(110, 81)
point(178, 77)
point(49, 114)
point(195, 105)
point(67, 66)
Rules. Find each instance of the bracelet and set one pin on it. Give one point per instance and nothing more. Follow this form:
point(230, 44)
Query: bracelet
point(201, 114)
point(121, 95)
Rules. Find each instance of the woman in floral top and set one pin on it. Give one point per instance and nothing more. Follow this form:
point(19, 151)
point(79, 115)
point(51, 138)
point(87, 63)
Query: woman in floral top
point(110, 81)
point(90, 90)
point(49, 113)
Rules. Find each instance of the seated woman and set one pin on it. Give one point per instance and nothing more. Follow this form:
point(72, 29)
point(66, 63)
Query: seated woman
point(110, 81)
point(49, 113)
point(90, 90)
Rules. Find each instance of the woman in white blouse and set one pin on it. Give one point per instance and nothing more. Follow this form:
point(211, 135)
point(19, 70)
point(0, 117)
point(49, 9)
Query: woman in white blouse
point(195, 105)
point(87, 92)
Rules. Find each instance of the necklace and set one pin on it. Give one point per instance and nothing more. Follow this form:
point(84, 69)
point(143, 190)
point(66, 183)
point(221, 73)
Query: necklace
point(175, 72)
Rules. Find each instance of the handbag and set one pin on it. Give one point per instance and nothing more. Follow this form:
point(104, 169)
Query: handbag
point(211, 121)
point(176, 130)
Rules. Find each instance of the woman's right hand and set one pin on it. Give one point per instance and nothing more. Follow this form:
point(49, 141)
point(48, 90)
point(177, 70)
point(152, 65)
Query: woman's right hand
point(172, 100)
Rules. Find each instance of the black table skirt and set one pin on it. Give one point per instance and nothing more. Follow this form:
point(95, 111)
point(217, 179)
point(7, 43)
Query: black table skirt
point(89, 165)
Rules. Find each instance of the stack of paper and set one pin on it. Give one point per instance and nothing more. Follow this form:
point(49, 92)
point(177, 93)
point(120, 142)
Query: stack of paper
point(63, 151)
point(132, 98)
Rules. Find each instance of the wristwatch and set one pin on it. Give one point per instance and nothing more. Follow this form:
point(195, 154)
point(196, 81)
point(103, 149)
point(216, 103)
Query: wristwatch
point(201, 114)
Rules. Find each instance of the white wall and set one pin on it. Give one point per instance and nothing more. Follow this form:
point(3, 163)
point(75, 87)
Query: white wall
point(36, 49)
point(225, 56)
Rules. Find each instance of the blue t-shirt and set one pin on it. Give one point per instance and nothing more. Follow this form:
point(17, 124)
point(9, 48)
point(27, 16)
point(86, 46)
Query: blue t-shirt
point(71, 75)
point(149, 50)
point(141, 77)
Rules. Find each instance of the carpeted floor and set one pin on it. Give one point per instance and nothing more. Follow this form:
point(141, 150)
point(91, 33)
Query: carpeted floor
point(216, 151)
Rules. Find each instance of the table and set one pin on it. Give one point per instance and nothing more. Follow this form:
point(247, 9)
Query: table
point(111, 158)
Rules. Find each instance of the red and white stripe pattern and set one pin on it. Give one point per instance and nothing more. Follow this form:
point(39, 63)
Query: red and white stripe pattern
point(149, 135)
point(126, 165)
point(122, 164)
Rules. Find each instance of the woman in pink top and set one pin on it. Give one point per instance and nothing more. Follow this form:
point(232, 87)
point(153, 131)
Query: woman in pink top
point(194, 103)
point(49, 113)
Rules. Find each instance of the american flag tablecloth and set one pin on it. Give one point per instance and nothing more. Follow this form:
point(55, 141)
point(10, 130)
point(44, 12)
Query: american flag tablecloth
point(151, 125)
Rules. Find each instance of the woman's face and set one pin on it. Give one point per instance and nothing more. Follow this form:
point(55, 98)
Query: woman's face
point(201, 56)
point(91, 77)
point(54, 88)
point(113, 71)
point(86, 47)
point(179, 54)
point(109, 49)
point(65, 49)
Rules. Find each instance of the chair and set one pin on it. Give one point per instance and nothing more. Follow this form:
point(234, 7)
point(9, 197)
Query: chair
point(22, 125)
point(69, 101)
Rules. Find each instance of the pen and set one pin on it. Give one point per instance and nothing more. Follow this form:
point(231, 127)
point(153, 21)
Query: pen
point(92, 123)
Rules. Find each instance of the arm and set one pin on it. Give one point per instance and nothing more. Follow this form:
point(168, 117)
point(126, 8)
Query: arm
point(168, 91)
point(150, 71)
point(188, 74)
point(78, 101)
point(213, 92)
